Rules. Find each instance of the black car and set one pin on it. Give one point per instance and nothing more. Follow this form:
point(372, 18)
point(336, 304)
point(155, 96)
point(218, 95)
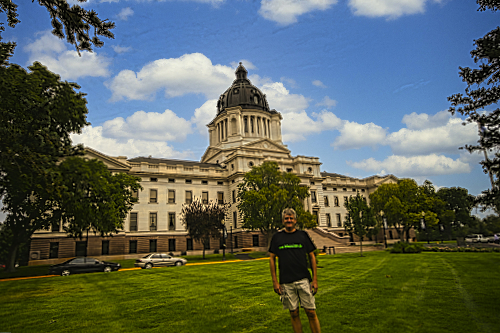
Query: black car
point(83, 265)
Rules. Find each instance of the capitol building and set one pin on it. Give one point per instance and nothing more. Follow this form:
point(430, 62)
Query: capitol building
point(244, 133)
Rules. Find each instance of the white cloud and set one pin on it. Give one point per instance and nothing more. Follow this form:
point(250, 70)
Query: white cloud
point(292, 132)
point(424, 137)
point(285, 12)
point(190, 74)
point(318, 83)
point(418, 121)
point(93, 137)
point(414, 166)
point(53, 53)
point(121, 49)
point(279, 98)
point(391, 9)
point(166, 126)
point(204, 115)
point(125, 13)
point(327, 102)
point(355, 136)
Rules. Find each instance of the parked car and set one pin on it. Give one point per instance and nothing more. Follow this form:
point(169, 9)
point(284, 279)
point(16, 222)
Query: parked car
point(474, 238)
point(83, 265)
point(159, 259)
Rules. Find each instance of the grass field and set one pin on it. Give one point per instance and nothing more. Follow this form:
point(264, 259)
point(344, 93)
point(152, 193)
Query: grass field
point(381, 292)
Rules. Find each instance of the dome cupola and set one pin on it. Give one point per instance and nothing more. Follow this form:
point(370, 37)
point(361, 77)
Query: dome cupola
point(242, 93)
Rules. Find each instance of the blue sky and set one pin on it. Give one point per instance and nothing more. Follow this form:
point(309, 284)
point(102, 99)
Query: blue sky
point(362, 84)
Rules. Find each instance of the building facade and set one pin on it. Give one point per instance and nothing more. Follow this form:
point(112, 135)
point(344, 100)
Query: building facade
point(244, 133)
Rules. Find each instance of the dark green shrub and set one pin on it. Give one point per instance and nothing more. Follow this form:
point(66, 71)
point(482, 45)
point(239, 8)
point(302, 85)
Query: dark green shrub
point(407, 248)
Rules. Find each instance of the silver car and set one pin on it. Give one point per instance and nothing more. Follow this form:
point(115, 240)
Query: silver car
point(158, 260)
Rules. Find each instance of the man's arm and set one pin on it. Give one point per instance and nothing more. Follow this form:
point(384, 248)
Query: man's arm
point(314, 283)
point(272, 266)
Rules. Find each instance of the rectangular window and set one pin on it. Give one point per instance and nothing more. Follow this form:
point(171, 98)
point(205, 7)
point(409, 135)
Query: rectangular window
point(234, 196)
point(255, 240)
point(133, 222)
point(56, 226)
point(153, 179)
point(328, 220)
point(171, 196)
point(171, 245)
point(235, 220)
point(346, 199)
point(327, 204)
point(204, 182)
point(132, 246)
point(54, 250)
point(189, 197)
point(313, 196)
point(189, 181)
point(204, 197)
point(153, 196)
point(152, 245)
point(220, 183)
point(220, 198)
point(336, 201)
point(171, 221)
point(189, 244)
point(105, 247)
point(81, 249)
point(171, 180)
point(153, 220)
point(235, 242)
point(339, 220)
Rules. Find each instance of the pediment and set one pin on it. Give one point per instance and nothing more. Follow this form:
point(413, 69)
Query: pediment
point(112, 163)
point(209, 154)
point(266, 144)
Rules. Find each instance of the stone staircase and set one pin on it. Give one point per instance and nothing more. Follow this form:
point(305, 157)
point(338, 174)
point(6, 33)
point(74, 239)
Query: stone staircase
point(323, 238)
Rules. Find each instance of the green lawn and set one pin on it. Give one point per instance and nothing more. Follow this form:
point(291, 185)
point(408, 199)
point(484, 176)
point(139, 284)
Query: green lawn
point(381, 292)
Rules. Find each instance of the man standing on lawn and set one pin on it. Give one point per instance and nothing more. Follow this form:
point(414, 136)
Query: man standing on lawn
point(295, 285)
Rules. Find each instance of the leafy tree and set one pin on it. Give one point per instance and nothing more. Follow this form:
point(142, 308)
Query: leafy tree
point(360, 218)
point(481, 92)
point(204, 221)
point(92, 198)
point(37, 114)
point(73, 22)
point(456, 216)
point(403, 204)
point(265, 192)
point(492, 224)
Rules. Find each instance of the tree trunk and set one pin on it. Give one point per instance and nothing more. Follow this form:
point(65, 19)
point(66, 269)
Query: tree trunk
point(10, 265)
point(361, 246)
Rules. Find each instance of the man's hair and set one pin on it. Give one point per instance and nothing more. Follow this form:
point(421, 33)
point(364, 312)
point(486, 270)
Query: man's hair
point(288, 211)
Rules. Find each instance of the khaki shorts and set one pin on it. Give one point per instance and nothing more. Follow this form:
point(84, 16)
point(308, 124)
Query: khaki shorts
point(297, 292)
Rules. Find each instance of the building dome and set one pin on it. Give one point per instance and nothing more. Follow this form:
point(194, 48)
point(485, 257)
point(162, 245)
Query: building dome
point(242, 93)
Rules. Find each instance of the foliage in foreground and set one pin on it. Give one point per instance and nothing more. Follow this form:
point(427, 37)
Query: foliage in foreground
point(481, 93)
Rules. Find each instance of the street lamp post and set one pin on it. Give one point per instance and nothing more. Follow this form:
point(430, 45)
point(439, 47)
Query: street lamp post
point(224, 237)
point(425, 227)
point(384, 225)
point(231, 232)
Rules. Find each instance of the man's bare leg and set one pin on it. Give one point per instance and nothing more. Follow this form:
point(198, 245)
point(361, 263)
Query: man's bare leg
point(296, 324)
point(313, 321)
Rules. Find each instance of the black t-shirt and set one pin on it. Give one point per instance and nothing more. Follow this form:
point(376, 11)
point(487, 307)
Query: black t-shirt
point(291, 250)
